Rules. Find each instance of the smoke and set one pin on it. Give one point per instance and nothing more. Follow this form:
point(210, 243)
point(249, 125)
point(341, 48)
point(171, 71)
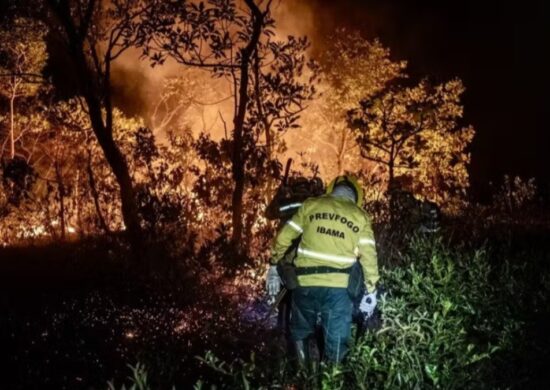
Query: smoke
point(137, 87)
point(294, 18)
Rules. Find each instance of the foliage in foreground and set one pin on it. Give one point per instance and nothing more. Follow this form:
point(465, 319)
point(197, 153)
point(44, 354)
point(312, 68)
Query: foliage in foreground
point(450, 321)
point(443, 323)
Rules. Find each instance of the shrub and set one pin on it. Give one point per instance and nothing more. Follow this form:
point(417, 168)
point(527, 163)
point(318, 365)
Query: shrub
point(445, 323)
point(451, 320)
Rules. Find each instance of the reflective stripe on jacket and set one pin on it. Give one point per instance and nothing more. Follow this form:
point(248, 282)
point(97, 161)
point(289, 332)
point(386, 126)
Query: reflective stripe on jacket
point(335, 233)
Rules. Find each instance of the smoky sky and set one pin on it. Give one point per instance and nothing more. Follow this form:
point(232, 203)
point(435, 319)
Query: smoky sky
point(496, 47)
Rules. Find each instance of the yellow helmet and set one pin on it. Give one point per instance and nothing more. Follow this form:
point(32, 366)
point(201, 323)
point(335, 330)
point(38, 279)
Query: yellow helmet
point(352, 182)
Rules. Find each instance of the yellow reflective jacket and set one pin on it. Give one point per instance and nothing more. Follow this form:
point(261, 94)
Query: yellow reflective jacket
point(335, 233)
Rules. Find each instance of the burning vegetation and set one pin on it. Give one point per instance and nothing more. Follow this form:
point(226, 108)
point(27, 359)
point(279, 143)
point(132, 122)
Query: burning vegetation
point(237, 100)
point(166, 185)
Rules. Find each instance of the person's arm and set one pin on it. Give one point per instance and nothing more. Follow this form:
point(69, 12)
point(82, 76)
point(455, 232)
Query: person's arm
point(367, 257)
point(291, 230)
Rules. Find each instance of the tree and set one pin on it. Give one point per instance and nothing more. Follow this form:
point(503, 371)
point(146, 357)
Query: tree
point(415, 135)
point(199, 35)
point(352, 68)
point(95, 34)
point(22, 58)
point(77, 160)
point(236, 44)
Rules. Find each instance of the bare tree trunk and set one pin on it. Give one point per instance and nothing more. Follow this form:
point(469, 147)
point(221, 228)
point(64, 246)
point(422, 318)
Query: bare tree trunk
point(95, 195)
point(12, 124)
point(120, 169)
point(266, 124)
point(270, 190)
point(89, 84)
point(239, 159)
point(391, 174)
point(391, 167)
point(61, 197)
point(341, 152)
point(391, 187)
point(238, 190)
point(78, 204)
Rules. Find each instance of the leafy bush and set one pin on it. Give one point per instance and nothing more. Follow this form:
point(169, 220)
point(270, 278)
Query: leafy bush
point(443, 322)
point(515, 194)
point(138, 379)
point(447, 322)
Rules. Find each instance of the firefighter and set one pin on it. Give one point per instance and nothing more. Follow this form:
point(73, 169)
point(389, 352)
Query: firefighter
point(336, 243)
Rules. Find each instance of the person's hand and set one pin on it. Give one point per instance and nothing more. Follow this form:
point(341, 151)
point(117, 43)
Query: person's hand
point(368, 304)
point(273, 281)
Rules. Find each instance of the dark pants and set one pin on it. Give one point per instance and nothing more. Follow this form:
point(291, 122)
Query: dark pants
point(333, 307)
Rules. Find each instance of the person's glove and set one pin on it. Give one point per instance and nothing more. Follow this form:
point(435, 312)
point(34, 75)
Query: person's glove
point(273, 281)
point(368, 304)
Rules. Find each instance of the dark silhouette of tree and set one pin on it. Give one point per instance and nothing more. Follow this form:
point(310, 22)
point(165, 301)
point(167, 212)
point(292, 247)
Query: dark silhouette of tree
point(96, 33)
point(237, 44)
point(414, 133)
point(353, 68)
point(281, 92)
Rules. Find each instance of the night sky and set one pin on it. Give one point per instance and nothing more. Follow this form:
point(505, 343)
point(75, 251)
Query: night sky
point(497, 49)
